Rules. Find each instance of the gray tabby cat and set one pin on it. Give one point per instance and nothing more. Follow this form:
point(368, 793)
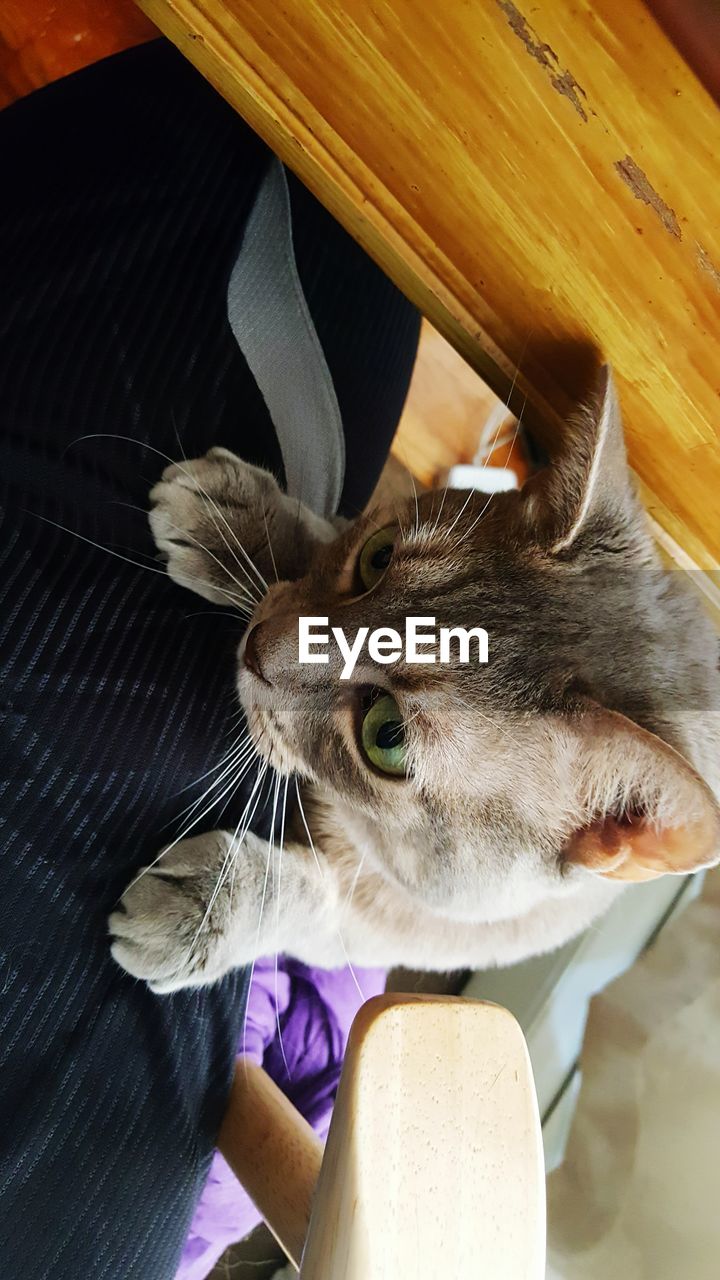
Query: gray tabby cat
point(461, 815)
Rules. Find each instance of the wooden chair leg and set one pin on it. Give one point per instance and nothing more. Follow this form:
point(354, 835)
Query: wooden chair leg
point(274, 1153)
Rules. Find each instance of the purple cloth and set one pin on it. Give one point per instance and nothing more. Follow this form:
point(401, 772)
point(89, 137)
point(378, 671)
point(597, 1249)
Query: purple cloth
point(297, 1025)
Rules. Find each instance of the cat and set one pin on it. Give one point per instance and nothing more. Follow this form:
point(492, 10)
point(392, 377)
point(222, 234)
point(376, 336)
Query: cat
point(451, 816)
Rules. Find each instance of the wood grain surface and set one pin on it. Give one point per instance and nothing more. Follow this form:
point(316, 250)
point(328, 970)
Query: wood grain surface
point(433, 1165)
point(273, 1152)
point(542, 182)
point(42, 40)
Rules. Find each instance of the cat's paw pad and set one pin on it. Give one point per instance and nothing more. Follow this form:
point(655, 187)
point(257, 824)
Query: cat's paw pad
point(203, 513)
point(174, 923)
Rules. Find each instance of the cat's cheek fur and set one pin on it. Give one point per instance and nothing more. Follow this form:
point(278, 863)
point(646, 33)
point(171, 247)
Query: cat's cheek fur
point(422, 941)
point(458, 878)
point(266, 719)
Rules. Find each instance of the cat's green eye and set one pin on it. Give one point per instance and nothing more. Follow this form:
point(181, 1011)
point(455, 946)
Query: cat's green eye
point(383, 736)
point(375, 557)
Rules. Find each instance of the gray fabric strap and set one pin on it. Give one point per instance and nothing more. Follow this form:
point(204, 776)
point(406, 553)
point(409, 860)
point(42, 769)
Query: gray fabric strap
point(271, 322)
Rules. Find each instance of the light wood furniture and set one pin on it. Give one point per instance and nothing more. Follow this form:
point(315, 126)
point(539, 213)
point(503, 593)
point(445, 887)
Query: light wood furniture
point(273, 1152)
point(41, 40)
point(541, 182)
point(433, 1164)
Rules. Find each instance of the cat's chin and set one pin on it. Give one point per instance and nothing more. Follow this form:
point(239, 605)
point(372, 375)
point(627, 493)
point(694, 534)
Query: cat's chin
point(269, 745)
point(265, 729)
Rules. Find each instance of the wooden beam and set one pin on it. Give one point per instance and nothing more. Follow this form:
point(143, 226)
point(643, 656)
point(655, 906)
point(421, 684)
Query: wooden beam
point(542, 182)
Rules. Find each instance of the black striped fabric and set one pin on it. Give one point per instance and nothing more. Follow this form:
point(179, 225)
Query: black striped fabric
point(127, 187)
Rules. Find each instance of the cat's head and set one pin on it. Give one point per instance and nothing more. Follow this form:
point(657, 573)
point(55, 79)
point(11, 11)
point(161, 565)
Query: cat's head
point(576, 750)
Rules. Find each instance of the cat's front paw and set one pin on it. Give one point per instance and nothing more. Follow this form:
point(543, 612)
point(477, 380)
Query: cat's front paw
point(209, 518)
point(192, 916)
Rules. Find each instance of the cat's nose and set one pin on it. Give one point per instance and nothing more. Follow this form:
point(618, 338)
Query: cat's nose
point(251, 658)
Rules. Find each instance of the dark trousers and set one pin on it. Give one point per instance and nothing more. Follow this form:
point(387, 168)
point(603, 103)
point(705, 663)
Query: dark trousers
point(127, 188)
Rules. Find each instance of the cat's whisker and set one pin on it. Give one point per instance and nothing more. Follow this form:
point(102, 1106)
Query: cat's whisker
point(239, 714)
point(467, 532)
point(489, 452)
point(228, 862)
point(323, 873)
point(521, 357)
point(181, 446)
point(212, 506)
point(267, 536)
point(237, 745)
point(107, 435)
point(416, 526)
point(230, 530)
point(351, 891)
point(277, 929)
point(269, 543)
point(144, 511)
point(232, 786)
point(241, 748)
point(404, 533)
point(237, 604)
point(371, 519)
point(256, 791)
point(470, 495)
point(349, 964)
point(239, 759)
point(414, 716)
point(136, 563)
point(216, 613)
point(472, 492)
point(319, 865)
point(272, 826)
point(270, 863)
point(246, 596)
point(439, 514)
point(257, 935)
point(500, 728)
point(247, 588)
point(239, 770)
point(372, 516)
point(479, 517)
point(247, 817)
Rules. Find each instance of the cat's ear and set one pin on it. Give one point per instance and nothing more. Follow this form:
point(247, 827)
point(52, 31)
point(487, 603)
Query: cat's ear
point(649, 812)
point(587, 483)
